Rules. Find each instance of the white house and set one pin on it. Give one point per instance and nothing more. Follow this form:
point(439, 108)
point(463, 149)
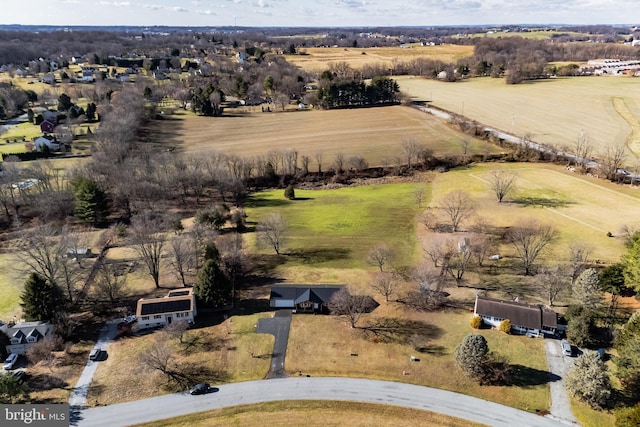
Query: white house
point(23, 335)
point(46, 141)
point(179, 304)
point(525, 318)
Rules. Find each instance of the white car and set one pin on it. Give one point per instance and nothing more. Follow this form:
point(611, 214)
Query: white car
point(10, 362)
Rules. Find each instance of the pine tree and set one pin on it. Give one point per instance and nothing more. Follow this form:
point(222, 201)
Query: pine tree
point(91, 205)
point(213, 288)
point(41, 300)
point(472, 355)
point(588, 380)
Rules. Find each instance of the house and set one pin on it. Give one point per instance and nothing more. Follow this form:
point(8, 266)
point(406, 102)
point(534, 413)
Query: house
point(525, 318)
point(87, 75)
point(47, 126)
point(306, 299)
point(23, 335)
point(179, 304)
point(46, 141)
point(49, 79)
point(49, 115)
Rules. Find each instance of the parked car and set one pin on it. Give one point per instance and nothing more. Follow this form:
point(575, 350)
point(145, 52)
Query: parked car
point(202, 388)
point(19, 375)
point(10, 362)
point(566, 348)
point(95, 354)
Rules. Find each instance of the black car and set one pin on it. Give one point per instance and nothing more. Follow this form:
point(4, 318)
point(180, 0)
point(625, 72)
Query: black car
point(19, 375)
point(202, 388)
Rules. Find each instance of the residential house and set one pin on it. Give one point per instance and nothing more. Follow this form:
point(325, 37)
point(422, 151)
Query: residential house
point(23, 335)
point(87, 75)
point(179, 304)
point(48, 141)
point(47, 126)
point(305, 299)
point(525, 318)
point(49, 79)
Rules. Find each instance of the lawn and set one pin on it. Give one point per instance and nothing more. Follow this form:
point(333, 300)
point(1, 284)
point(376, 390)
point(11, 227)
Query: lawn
point(317, 59)
point(11, 285)
point(314, 413)
point(373, 133)
point(342, 351)
point(553, 111)
point(220, 352)
point(337, 228)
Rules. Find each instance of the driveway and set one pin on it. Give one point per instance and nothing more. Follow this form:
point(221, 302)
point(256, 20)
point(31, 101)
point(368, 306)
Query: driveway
point(278, 326)
point(559, 366)
point(78, 398)
point(315, 388)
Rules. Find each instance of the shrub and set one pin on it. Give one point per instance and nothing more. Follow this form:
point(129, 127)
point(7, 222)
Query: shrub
point(476, 322)
point(628, 417)
point(472, 355)
point(505, 326)
point(289, 192)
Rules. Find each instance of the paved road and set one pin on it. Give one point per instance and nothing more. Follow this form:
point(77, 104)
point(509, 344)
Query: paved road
point(278, 326)
point(303, 388)
point(559, 366)
point(78, 396)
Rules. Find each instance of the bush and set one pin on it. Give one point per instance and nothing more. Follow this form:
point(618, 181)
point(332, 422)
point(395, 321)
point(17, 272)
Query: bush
point(289, 192)
point(628, 417)
point(472, 355)
point(505, 326)
point(476, 322)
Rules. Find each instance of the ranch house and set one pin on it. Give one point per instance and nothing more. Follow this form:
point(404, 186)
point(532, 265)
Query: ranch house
point(525, 318)
point(303, 299)
point(179, 304)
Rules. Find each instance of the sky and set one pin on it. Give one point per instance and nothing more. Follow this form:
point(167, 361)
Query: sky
point(318, 13)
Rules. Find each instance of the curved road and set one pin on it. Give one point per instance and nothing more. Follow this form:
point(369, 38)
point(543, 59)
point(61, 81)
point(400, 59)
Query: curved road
point(304, 388)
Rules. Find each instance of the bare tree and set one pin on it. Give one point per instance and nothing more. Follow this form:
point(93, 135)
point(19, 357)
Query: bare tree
point(384, 283)
point(411, 147)
point(338, 163)
point(458, 206)
point(458, 260)
point(176, 330)
point(553, 280)
point(465, 144)
point(233, 258)
point(502, 183)
point(352, 307)
point(430, 283)
point(481, 245)
point(111, 283)
point(148, 241)
point(318, 157)
point(161, 356)
point(418, 196)
point(530, 238)
point(578, 256)
point(181, 257)
point(380, 255)
point(273, 232)
point(437, 249)
point(582, 149)
point(611, 161)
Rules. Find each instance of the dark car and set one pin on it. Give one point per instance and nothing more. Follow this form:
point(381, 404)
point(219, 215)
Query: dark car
point(202, 388)
point(19, 375)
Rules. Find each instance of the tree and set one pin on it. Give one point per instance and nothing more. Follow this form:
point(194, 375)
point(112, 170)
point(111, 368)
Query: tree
point(64, 102)
point(181, 256)
point(12, 390)
point(627, 344)
point(418, 196)
point(176, 330)
point(384, 283)
point(148, 241)
point(628, 417)
point(586, 289)
point(290, 192)
point(411, 147)
point(43, 250)
point(502, 183)
point(273, 232)
point(581, 326)
point(111, 283)
point(578, 256)
point(472, 355)
point(233, 259)
point(212, 288)
point(611, 161)
point(91, 206)
point(612, 281)
point(458, 206)
point(380, 255)
point(552, 281)
point(352, 307)
point(588, 380)
point(582, 149)
point(41, 299)
point(631, 263)
point(530, 240)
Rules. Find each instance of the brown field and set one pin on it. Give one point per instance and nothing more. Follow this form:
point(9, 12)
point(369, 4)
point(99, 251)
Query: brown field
point(314, 413)
point(373, 133)
point(317, 59)
point(553, 111)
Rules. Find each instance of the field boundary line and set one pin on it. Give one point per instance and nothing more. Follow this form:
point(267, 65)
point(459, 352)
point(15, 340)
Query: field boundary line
point(574, 219)
point(633, 140)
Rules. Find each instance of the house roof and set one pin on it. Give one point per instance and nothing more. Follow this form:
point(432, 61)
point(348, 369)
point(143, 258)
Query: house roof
point(172, 303)
point(35, 333)
point(316, 293)
point(525, 315)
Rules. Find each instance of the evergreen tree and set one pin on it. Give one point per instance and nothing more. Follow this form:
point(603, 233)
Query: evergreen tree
point(586, 290)
point(472, 355)
point(41, 300)
point(11, 390)
point(289, 192)
point(212, 288)
point(91, 205)
point(64, 102)
point(588, 380)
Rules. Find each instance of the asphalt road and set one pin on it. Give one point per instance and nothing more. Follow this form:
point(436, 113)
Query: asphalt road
point(305, 388)
point(559, 366)
point(278, 326)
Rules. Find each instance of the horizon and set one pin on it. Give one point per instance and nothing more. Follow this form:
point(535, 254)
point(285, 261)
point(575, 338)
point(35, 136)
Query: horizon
point(318, 13)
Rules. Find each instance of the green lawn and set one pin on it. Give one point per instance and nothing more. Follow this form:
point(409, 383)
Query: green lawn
point(11, 284)
point(336, 228)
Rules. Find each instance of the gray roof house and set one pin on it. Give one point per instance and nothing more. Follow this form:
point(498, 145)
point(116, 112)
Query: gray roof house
point(303, 298)
point(525, 318)
point(23, 335)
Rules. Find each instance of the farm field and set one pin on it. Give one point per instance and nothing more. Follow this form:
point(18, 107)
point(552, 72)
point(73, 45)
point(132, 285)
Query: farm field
point(373, 133)
point(317, 59)
point(553, 111)
point(315, 413)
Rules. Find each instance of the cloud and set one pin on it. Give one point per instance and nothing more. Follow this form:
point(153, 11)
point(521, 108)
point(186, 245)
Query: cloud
point(115, 3)
point(207, 12)
point(177, 9)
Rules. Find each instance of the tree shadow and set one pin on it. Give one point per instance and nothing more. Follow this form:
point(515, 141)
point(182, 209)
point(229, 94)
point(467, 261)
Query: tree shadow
point(524, 376)
point(251, 306)
point(261, 202)
point(434, 350)
point(202, 342)
point(46, 382)
point(400, 331)
point(318, 255)
point(541, 202)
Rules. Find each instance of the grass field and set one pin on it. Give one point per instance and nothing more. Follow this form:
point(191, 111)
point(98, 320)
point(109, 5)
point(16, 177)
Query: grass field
point(317, 59)
point(553, 111)
point(314, 413)
point(337, 228)
point(373, 133)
